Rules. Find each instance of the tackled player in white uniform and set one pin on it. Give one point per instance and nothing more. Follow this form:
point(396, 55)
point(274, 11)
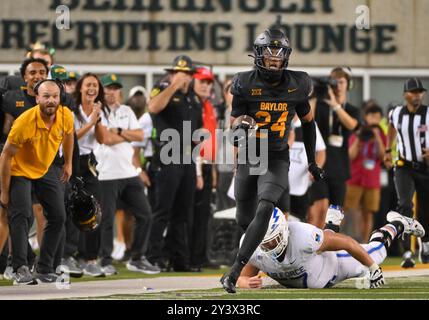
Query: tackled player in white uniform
point(300, 255)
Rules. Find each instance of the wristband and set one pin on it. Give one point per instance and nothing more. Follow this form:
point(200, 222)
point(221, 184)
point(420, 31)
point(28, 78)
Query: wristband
point(388, 150)
point(337, 107)
point(119, 131)
point(373, 267)
point(139, 170)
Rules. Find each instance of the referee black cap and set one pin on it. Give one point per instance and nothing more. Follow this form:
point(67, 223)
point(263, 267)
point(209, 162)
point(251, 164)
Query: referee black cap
point(414, 84)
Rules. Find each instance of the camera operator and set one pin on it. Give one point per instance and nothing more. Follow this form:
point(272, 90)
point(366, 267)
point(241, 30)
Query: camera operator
point(366, 153)
point(336, 119)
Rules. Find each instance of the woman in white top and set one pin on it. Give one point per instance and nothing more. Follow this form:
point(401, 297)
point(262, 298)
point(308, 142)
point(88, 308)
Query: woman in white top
point(89, 100)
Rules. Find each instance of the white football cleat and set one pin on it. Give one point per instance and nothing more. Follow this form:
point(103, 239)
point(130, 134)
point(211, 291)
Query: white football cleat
point(411, 226)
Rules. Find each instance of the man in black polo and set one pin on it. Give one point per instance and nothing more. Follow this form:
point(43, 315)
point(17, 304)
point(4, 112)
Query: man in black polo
point(173, 105)
point(409, 125)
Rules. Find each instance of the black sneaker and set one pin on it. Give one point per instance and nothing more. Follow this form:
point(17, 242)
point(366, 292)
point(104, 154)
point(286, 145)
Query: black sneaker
point(24, 276)
point(127, 256)
point(47, 277)
point(408, 261)
point(228, 283)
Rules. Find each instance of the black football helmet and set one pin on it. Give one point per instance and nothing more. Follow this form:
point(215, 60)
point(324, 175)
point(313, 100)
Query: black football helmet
point(271, 44)
point(83, 207)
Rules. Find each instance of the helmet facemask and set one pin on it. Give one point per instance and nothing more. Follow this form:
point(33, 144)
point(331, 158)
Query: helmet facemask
point(275, 241)
point(272, 53)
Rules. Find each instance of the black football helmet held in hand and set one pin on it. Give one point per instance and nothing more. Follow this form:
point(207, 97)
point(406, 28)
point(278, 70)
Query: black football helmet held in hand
point(83, 207)
point(271, 44)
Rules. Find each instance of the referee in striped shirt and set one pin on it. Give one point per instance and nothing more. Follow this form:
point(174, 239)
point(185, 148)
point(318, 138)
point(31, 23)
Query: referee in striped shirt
point(409, 125)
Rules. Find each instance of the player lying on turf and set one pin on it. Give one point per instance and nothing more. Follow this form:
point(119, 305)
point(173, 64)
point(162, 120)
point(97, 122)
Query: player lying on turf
point(300, 255)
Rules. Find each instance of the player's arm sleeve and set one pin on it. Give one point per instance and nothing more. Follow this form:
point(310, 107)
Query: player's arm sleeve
point(239, 105)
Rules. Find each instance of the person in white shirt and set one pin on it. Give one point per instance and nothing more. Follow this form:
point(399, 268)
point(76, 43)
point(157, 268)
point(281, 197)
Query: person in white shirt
point(89, 99)
point(300, 255)
point(119, 179)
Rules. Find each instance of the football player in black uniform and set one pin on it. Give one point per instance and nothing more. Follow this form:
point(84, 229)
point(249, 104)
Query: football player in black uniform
point(271, 95)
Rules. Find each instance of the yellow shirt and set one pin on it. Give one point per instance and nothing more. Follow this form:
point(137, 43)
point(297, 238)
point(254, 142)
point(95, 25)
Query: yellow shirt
point(37, 144)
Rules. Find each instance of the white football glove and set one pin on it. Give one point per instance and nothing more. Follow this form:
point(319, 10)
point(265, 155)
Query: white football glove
point(376, 278)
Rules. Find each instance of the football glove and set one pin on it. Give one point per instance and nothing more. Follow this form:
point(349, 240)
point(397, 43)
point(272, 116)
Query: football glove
point(376, 278)
point(316, 172)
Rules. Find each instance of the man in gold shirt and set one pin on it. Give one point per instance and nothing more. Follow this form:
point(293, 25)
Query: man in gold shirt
point(27, 158)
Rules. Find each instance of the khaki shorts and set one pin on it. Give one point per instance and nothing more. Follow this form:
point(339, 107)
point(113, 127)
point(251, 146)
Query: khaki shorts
point(359, 197)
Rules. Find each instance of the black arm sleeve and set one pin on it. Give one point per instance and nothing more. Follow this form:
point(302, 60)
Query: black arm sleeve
point(309, 137)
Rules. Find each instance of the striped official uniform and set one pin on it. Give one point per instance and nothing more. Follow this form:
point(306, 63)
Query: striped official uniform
point(411, 170)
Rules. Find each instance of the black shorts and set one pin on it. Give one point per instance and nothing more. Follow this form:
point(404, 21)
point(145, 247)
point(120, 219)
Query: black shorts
point(295, 205)
point(332, 189)
point(269, 186)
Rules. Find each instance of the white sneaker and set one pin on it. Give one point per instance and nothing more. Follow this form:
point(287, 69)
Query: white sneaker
point(9, 274)
point(411, 226)
point(118, 250)
point(334, 215)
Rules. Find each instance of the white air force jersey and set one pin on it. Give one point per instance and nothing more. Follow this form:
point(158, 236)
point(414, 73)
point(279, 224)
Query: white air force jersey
point(302, 267)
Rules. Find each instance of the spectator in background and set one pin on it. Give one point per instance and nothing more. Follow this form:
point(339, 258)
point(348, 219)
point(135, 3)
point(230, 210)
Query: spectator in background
point(70, 81)
point(137, 100)
point(206, 172)
point(300, 179)
point(172, 105)
point(336, 119)
point(85, 245)
point(119, 179)
point(225, 161)
point(366, 151)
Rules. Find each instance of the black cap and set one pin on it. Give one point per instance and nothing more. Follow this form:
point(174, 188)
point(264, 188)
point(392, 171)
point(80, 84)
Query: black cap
point(182, 63)
point(414, 84)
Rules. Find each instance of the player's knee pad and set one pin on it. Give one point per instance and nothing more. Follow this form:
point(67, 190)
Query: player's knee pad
point(381, 235)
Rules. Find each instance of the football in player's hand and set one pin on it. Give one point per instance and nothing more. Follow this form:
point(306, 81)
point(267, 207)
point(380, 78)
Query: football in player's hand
point(244, 122)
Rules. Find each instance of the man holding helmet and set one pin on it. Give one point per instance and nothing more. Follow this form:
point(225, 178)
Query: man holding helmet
point(271, 95)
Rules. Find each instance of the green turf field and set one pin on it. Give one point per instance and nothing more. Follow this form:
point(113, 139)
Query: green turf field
point(395, 288)
point(412, 287)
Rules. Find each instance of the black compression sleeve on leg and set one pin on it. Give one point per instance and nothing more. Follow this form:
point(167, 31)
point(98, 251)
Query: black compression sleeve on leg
point(309, 137)
point(254, 235)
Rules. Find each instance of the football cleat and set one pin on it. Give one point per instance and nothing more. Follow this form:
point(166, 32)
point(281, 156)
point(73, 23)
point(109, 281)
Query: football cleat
point(411, 226)
point(408, 261)
point(228, 283)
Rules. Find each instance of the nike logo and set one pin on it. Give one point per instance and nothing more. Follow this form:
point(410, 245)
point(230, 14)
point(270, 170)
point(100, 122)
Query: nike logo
point(292, 262)
point(291, 90)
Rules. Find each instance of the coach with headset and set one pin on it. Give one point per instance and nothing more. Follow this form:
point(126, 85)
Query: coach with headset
point(26, 161)
point(336, 119)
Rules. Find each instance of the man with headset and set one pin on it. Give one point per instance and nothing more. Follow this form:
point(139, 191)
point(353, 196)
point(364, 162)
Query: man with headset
point(26, 161)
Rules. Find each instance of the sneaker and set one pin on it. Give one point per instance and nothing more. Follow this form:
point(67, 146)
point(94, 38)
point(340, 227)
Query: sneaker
point(127, 256)
point(118, 250)
point(408, 261)
point(424, 252)
point(109, 270)
point(24, 276)
point(411, 226)
point(143, 265)
point(334, 215)
point(228, 283)
point(71, 267)
point(8, 273)
point(46, 277)
point(93, 269)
